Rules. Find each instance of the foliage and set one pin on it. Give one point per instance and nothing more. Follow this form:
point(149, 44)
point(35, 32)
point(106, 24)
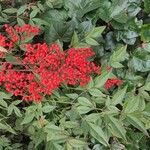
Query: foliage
point(89, 117)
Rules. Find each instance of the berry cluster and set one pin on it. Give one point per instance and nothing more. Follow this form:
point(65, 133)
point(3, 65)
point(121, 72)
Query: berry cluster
point(43, 69)
point(17, 35)
point(21, 34)
point(112, 82)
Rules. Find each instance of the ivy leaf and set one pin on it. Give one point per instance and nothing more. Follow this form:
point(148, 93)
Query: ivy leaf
point(79, 8)
point(95, 32)
point(59, 31)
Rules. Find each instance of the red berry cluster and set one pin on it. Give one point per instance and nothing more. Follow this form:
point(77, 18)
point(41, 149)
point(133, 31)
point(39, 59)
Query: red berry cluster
point(112, 82)
point(16, 35)
point(21, 34)
point(43, 69)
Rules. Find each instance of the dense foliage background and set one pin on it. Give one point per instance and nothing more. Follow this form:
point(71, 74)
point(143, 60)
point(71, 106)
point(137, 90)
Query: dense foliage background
point(88, 118)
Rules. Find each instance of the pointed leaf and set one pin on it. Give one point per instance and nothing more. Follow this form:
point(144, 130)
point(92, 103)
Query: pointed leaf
point(116, 128)
point(84, 101)
point(136, 122)
point(98, 134)
point(119, 95)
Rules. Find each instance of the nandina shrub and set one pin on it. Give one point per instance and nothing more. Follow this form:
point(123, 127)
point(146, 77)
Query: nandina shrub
point(42, 69)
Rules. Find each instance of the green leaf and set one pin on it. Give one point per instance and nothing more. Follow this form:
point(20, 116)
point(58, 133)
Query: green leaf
point(118, 96)
point(146, 86)
point(76, 143)
point(116, 128)
point(59, 31)
point(20, 21)
point(132, 104)
point(90, 84)
point(7, 128)
point(136, 122)
point(145, 31)
point(10, 110)
point(74, 40)
point(11, 59)
point(56, 137)
point(3, 103)
point(83, 109)
point(96, 92)
point(101, 80)
point(97, 132)
point(84, 101)
point(5, 96)
point(69, 124)
point(72, 96)
point(79, 8)
point(21, 10)
point(53, 146)
point(138, 63)
point(48, 108)
point(17, 112)
point(147, 6)
point(118, 56)
point(40, 22)
point(10, 10)
point(95, 32)
point(28, 118)
point(49, 4)
point(91, 41)
point(34, 13)
point(116, 65)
